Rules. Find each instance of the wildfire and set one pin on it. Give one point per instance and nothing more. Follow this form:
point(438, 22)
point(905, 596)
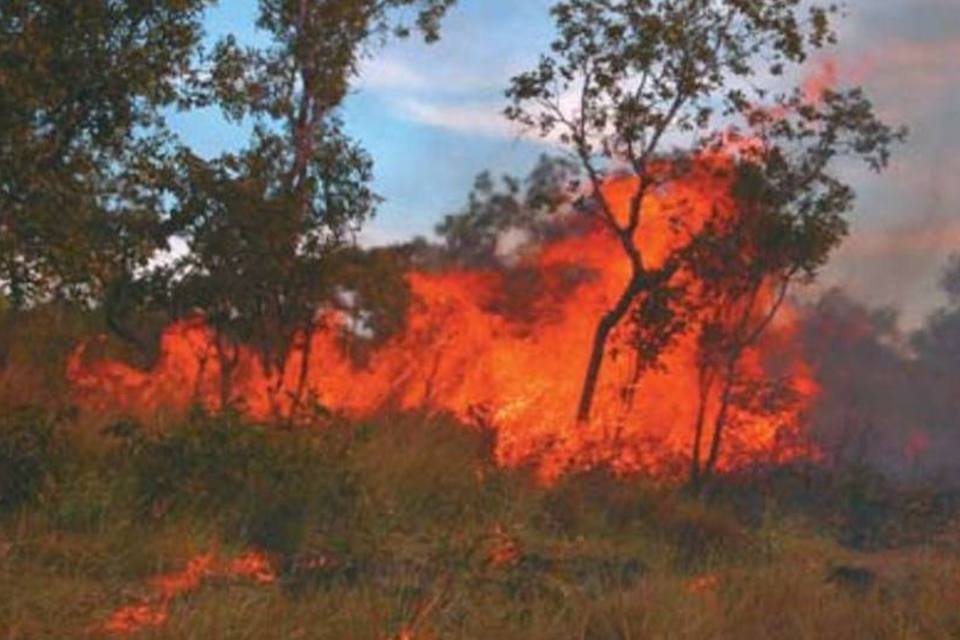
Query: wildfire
point(153, 611)
point(703, 583)
point(468, 351)
point(503, 550)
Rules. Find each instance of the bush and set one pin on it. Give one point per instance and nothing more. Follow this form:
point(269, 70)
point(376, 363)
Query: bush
point(265, 487)
point(425, 472)
point(702, 534)
point(30, 454)
point(34, 346)
point(596, 500)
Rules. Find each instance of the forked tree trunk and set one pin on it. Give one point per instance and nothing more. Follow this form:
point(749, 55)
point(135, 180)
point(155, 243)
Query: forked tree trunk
point(721, 420)
point(607, 324)
point(305, 354)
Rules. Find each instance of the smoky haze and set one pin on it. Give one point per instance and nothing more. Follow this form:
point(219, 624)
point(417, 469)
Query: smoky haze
point(882, 329)
point(905, 53)
point(889, 397)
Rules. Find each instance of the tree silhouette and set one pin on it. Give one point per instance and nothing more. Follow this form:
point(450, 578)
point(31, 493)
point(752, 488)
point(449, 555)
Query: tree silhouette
point(647, 88)
point(265, 227)
point(85, 156)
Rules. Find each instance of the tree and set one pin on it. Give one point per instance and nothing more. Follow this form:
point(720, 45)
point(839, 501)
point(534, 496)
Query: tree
point(745, 268)
point(790, 215)
point(625, 78)
point(526, 208)
point(84, 153)
point(265, 227)
point(254, 268)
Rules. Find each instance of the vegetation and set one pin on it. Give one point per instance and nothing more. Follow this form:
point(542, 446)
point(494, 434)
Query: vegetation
point(81, 130)
point(524, 212)
point(646, 89)
point(264, 228)
point(405, 525)
point(86, 87)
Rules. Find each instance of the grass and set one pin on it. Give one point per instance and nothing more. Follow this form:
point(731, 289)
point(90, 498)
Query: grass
point(403, 526)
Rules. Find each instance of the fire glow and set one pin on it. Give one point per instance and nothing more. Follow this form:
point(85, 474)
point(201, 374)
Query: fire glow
point(474, 349)
point(154, 610)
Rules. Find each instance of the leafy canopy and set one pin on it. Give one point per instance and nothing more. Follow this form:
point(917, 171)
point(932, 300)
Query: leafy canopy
point(84, 152)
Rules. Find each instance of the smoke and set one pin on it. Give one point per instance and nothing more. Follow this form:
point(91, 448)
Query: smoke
point(889, 397)
point(907, 222)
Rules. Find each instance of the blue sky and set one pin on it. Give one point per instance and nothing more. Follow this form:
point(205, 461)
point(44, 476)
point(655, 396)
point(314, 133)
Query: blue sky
point(429, 115)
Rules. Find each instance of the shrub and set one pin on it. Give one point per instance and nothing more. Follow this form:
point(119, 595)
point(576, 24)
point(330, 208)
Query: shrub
point(30, 454)
point(702, 534)
point(426, 473)
point(34, 346)
point(597, 500)
point(265, 487)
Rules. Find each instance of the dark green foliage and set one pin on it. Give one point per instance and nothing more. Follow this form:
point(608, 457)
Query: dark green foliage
point(266, 228)
point(445, 476)
point(380, 525)
point(531, 209)
point(702, 536)
point(372, 292)
point(34, 347)
point(266, 488)
point(858, 579)
point(93, 185)
point(30, 455)
point(84, 158)
point(596, 500)
point(872, 512)
point(858, 505)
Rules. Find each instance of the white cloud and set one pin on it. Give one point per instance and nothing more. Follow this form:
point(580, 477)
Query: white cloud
point(400, 73)
point(383, 73)
point(479, 118)
point(439, 95)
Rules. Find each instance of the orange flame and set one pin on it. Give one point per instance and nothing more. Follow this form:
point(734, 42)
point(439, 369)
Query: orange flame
point(154, 610)
point(467, 351)
point(703, 583)
point(503, 550)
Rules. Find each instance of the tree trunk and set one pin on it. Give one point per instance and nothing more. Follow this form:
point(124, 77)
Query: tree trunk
point(227, 364)
point(743, 338)
point(304, 372)
point(721, 420)
point(706, 383)
point(607, 323)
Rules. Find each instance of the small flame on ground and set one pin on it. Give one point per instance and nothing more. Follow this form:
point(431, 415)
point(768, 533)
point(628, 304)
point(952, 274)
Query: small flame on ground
point(702, 584)
point(503, 551)
point(154, 609)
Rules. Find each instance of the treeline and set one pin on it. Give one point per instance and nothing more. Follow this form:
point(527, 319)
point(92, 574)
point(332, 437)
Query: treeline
point(95, 187)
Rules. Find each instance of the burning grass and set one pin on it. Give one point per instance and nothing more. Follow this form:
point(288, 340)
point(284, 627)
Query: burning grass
point(406, 526)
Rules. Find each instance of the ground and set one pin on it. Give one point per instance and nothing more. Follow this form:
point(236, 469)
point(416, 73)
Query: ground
point(403, 528)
